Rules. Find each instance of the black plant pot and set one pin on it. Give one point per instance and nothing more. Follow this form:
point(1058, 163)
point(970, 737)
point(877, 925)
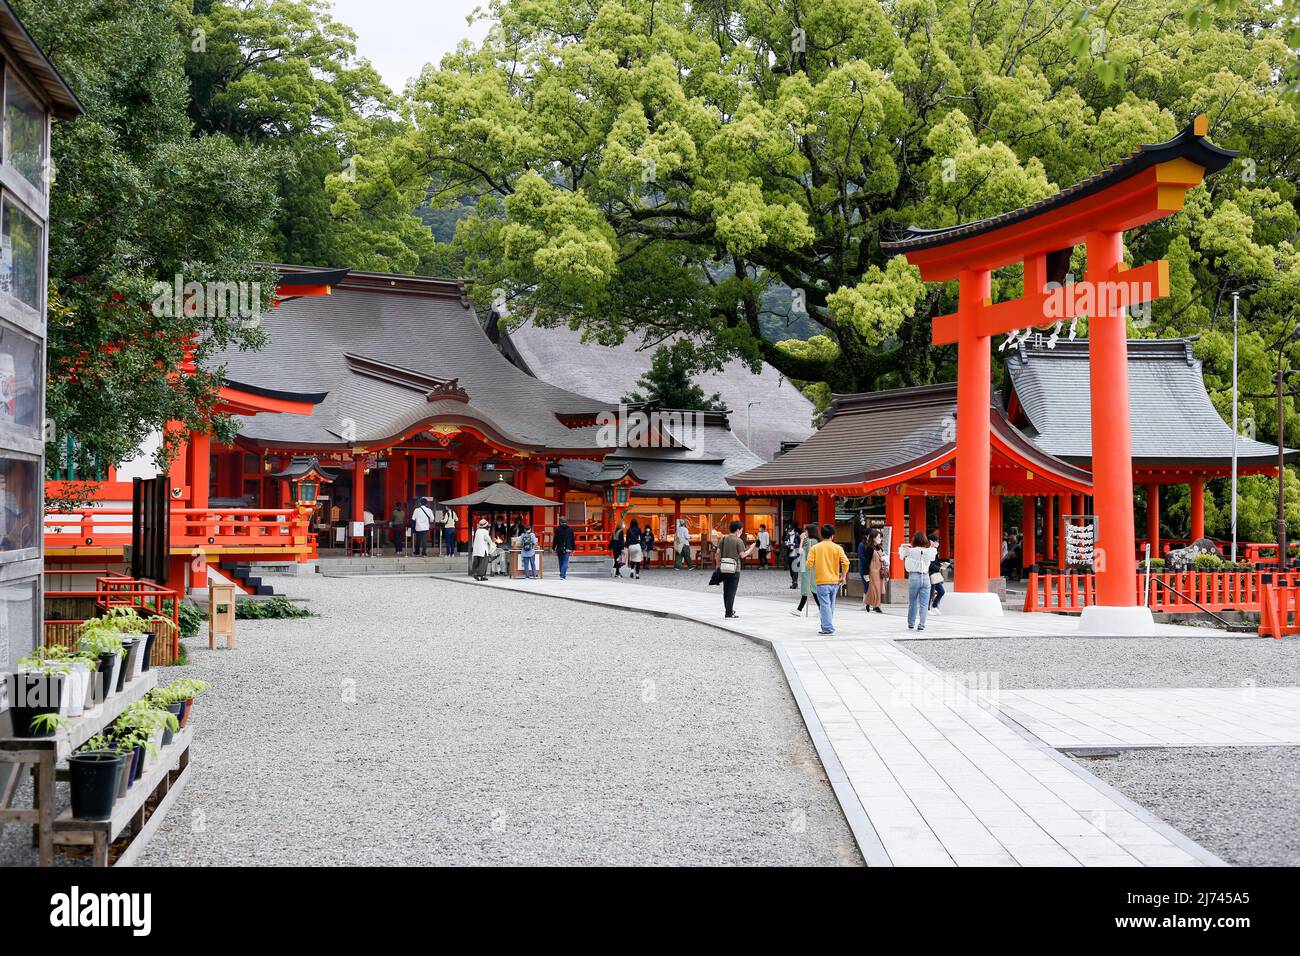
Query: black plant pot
point(103, 675)
point(175, 711)
point(148, 650)
point(94, 783)
point(126, 659)
point(137, 765)
point(31, 696)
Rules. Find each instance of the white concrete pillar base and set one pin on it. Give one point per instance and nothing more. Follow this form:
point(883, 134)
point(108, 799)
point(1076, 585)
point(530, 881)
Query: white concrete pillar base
point(971, 604)
point(1121, 621)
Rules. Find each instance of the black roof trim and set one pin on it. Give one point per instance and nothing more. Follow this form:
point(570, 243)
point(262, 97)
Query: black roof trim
point(312, 398)
point(293, 277)
point(393, 374)
point(1187, 144)
point(37, 65)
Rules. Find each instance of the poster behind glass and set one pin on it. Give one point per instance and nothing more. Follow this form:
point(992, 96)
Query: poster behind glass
point(20, 379)
point(18, 514)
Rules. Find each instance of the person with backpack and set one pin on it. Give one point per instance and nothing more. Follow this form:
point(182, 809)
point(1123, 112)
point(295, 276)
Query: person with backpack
point(422, 521)
point(528, 551)
point(564, 545)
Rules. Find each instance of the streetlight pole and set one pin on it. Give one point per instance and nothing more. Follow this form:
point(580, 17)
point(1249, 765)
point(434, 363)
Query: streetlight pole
point(749, 425)
point(1281, 448)
point(1235, 297)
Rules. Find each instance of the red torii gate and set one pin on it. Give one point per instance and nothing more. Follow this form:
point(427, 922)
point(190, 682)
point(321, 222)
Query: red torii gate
point(1147, 185)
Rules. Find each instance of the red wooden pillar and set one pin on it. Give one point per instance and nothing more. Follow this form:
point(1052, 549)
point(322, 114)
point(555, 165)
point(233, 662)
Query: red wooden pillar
point(1049, 527)
point(178, 473)
point(463, 484)
point(1198, 508)
point(995, 536)
point(825, 510)
point(898, 533)
point(916, 516)
point(974, 371)
point(802, 512)
point(945, 520)
point(358, 489)
point(537, 486)
point(1153, 518)
point(200, 446)
point(1028, 529)
point(1112, 447)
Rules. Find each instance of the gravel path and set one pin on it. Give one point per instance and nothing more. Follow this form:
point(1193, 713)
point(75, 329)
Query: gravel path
point(532, 731)
point(1242, 803)
point(1068, 662)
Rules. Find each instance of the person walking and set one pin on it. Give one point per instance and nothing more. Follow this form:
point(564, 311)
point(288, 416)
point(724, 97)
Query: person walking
point(449, 519)
point(807, 581)
point(481, 550)
point(528, 551)
point(830, 567)
point(635, 553)
point(764, 546)
point(874, 586)
point(682, 546)
point(791, 548)
point(421, 521)
point(936, 577)
point(397, 525)
point(564, 546)
point(731, 555)
point(617, 544)
point(916, 564)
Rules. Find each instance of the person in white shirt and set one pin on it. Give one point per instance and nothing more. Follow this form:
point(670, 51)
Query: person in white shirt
point(481, 548)
point(764, 546)
point(916, 563)
point(421, 521)
point(682, 546)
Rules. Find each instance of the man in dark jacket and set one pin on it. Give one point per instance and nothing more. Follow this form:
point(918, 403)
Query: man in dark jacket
point(564, 545)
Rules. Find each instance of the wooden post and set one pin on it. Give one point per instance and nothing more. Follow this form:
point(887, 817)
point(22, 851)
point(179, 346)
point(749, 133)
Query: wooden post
point(221, 623)
point(916, 516)
point(1112, 446)
point(1198, 508)
point(898, 533)
point(200, 475)
point(995, 536)
point(974, 372)
point(1028, 528)
point(1153, 518)
point(825, 510)
point(1049, 527)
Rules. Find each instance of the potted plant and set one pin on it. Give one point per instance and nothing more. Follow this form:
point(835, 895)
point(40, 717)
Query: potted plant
point(145, 719)
point(185, 689)
point(127, 621)
point(76, 670)
point(163, 699)
point(37, 696)
point(95, 770)
point(99, 638)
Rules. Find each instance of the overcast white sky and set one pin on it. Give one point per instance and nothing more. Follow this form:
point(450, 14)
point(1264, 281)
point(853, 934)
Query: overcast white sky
point(400, 36)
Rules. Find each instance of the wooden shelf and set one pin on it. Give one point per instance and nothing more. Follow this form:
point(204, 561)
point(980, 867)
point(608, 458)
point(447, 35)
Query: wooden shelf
point(80, 729)
point(125, 809)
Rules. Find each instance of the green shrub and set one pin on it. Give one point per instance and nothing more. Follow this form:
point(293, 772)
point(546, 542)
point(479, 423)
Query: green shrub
point(276, 607)
point(1207, 562)
point(1157, 565)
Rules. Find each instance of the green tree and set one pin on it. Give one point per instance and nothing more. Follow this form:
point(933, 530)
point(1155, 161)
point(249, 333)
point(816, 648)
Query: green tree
point(669, 382)
point(668, 167)
point(139, 197)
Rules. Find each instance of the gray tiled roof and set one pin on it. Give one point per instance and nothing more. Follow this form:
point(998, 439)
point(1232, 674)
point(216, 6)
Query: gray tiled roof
point(559, 356)
point(872, 438)
point(673, 471)
point(1173, 419)
point(420, 325)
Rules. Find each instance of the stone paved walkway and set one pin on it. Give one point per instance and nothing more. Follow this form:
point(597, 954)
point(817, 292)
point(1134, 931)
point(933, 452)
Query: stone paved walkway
point(1158, 717)
point(927, 773)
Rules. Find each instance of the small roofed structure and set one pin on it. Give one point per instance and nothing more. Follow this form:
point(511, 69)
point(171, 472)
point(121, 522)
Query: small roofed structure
point(501, 494)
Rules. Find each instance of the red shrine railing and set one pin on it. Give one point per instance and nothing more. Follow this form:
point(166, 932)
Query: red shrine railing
point(228, 528)
point(112, 589)
point(1212, 590)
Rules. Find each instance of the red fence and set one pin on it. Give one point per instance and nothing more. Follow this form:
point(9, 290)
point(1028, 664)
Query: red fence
point(1212, 590)
point(113, 589)
point(225, 528)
